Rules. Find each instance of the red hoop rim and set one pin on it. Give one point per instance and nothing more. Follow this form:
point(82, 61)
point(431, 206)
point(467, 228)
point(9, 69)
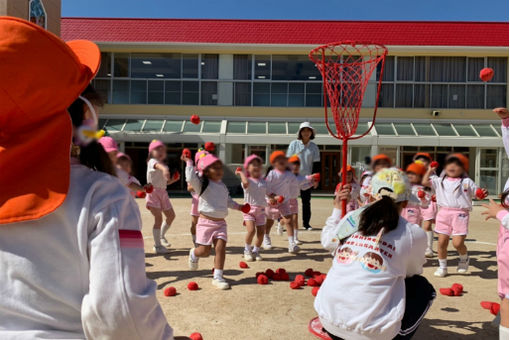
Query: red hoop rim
point(316, 50)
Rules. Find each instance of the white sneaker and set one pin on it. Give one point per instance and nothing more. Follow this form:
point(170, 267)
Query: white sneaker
point(248, 256)
point(279, 229)
point(165, 242)
point(293, 249)
point(441, 272)
point(266, 244)
point(298, 242)
point(429, 253)
point(463, 266)
point(193, 265)
point(257, 256)
point(220, 284)
point(160, 250)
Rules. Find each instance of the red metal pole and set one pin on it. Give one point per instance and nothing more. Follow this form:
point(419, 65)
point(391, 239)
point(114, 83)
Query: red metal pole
point(344, 173)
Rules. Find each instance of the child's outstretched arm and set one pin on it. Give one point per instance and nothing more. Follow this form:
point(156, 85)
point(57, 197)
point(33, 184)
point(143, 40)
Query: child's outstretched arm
point(164, 169)
point(329, 237)
point(426, 178)
point(244, 180)
point(233, 204)
point(191, 175)
point(120, 302)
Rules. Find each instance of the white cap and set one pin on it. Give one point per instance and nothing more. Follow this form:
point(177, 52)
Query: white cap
point(306, 125)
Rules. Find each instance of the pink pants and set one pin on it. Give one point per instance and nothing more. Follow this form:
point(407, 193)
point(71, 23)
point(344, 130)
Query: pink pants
point(502, 256)
point(256, 214)
point(158, 199)
point(412, 215)
point(293, 206)
point(209, 230)
point(452, 221)
point(273, 212)
point(429, 213)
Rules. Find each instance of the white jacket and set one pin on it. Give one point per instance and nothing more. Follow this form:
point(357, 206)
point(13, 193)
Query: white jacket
point(72, 275)
point(363, 296)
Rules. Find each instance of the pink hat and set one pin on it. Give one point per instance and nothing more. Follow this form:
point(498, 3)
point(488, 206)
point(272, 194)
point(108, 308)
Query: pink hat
point(199, 154)
point(122, 154)
point(109, 144)
point(155, 144)
point(249, 159)
point(205, 160)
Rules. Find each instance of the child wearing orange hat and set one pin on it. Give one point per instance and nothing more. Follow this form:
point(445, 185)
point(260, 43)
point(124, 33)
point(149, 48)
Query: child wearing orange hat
point(454, 194)
point(354, 198)
point(71, 249)
point(279, 180)
point(158, 201)
point(412, 212)
point(378, 162)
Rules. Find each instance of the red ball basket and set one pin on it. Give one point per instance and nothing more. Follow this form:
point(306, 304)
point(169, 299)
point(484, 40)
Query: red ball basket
point(347, 69)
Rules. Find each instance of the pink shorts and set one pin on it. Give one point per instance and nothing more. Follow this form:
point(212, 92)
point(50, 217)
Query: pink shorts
point(194, 206)
point(452, 221)
point(256, 214)
point(158, 199)
point(412, 215)
point(273, 212)
point(293, 206)
point(502, 256)
point(429, 213)
point(209, 230)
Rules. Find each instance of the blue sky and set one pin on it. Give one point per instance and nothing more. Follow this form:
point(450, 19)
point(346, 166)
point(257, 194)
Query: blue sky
point(450, 10)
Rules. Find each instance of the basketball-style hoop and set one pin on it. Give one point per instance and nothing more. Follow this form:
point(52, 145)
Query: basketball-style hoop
point(346, 69)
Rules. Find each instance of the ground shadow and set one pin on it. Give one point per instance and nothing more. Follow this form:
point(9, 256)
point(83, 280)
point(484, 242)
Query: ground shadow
point(474, 261)
point(428, 330)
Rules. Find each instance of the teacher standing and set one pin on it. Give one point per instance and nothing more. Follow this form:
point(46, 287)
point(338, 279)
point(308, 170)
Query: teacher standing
point(310, 158)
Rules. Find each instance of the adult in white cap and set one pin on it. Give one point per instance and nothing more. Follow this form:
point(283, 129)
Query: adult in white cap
point(310, 158)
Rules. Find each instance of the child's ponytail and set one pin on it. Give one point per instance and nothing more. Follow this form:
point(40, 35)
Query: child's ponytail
point(205, 184)
point(383, 213)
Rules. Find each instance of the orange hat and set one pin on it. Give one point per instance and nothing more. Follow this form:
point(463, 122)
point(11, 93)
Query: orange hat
point(381, 157)
point(276, 154)
point(41, 76)
point(463, 159)
point(417, 168)
point(294, 159)
point(424, 155)
point(349, 169)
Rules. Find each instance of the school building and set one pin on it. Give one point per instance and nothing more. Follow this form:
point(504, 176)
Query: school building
point(252, 84)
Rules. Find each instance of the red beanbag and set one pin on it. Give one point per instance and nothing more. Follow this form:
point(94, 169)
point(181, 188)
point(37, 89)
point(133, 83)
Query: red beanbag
point(295, 285)
point(238, 169)
point(269, 273)
point(257, 274)
point(193, 285)
point(446, 291)
point(245, 208)
point(262, 280)
point(315, 290)
point(285, 277)
point(170, 291)
point(209, 146)
point(486, 74)
point(196, 336)
point(434, 164)
point(457, 289)
point(312, 283)
point(243, 265)
point(186, 152)
point(309, 272)
point(480, 194)
point(280, 199)
point(195, 119)
point(421, 194)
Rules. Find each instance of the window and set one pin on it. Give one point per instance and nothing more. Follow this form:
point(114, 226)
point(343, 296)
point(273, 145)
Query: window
point(156, 94)
point(172, 92)
point(242, 94)
point(496, 96)
point(190, 92)
point(37, 13)
point(421, 95)
point(313, 94)
point(173, 126)
point(279, 94)
point(102, 86)
point(262, 67)
point(447, 69)
point(475, 97)
point(439, 96)
point(155, 65)
point(120, 92)
point(190, 66)
point(389, 69)
point(424, 129)
point(405, 68)
point(257, 127)
point(236, 153)
point(386, 95)
point(457, 96)
point(121, 65)
point(138, 92)
point(259, 150)
point(277, 128)
point(242, 66)
point(105, 70)
point(211, 127)
point(209, 93)
point(296, 94)
point(261, 94)
point(404, 96)
point(152, 125)
point(293, 67)
point(236, 127)
point(499, 65)
point(209, 65)
point(474, 67)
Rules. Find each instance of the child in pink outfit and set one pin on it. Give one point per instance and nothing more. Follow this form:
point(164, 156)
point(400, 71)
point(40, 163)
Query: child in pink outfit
point(412, 212)
point(454, 192)
point(255, 192)
point(354, 199)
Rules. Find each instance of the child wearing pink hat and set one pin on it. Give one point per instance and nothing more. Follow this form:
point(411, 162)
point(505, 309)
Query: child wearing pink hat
point(158, 201)
point(255, 191)
point(213, 203)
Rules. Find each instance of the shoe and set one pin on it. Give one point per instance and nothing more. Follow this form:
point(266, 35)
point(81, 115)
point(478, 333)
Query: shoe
point(308, 227)
point(220, 284)
point(441, 272)
point(248, 256)
point(293, 249)
point(279, 230)
point(463, 266)
point(192, 264)
point(266, 244)
point(429, 253)
point(165, 242)
point(160, 250)
point(298, 242)
point(256, 256)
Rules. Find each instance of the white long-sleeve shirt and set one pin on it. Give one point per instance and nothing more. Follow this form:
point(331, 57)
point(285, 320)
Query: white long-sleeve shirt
point(72, 274)
point(299, 183)
point(215, 200)
point(454, 192)
point(363, 296)
point(155, 176)
point(279, 183)
point(256, 192)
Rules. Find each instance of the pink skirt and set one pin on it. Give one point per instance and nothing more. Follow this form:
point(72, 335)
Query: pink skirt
point(209, 230)
point(502, 256)
point(256, 214)
point(158, 199)
point(293, 206)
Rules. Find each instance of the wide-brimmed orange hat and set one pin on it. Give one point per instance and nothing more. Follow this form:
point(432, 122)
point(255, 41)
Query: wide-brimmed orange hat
point(463, 160)
point(417, 168)
point(381, 157)
point(294, 159)
point(41, 76)
point(422, 155)
point(275, 155)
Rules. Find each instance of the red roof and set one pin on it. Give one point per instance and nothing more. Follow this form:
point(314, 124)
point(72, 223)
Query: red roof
point(285, 31)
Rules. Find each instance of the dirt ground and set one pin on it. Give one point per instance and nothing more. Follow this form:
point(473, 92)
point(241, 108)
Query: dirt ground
point(274, 311)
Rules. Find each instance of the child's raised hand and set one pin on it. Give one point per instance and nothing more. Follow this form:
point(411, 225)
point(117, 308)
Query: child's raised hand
point(502, 112)
point(344, 193)
point(239, 170)
point(148, 188)
point(481, 193)
point(493, 209)
point(185, 158)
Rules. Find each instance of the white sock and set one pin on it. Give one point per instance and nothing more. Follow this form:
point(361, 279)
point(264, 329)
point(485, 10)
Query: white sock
point(164, 229)
point(194, 258)
point(156, 234)
point(503, 333)
point(442, 263)
point(255, 249)
point(247, 247)
point(430, 239)
point(291, 240)
point(464, 257)
point(218, 273)
point(295, 234)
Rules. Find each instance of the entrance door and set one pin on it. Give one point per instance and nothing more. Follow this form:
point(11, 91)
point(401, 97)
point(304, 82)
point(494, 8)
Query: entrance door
point(330, 166)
